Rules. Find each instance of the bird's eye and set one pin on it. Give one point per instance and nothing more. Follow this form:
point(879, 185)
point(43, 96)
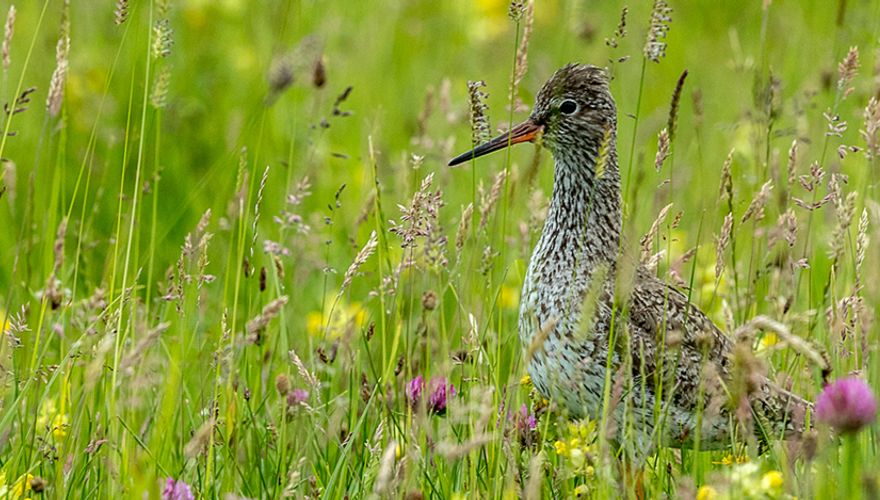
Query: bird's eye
point(568, 107)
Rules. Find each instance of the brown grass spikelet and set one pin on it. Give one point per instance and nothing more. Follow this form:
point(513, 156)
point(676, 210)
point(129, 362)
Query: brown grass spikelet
point(532, 490)
point(120, 12)
point(257, 205)
point(480, 129)
point(490, 199)
point(464, 225)
point(419, 218)
point(648, 239)
point(845, 208)
point(614, 40)
point(360, 259)
point(516, 10)
point(871, 132)
point(52, 293)
point(159, 94)
point(58, 246)
point(847, 70)
point(789, 227)
point(19, 105)
point(655, 44)
point(137, 352)
point(451, 451)
point(756, 207)
point(725, 191)
point(163, 7)
point(697, 103)
point(256, 325)
point(522, 53)
point(382, 485)
point(792, 162)
point(8, 31)
point(787, 338)
point(662, 149)
point(673, 105)
point(304, 372)
point(721, 244)
point(200, 441)
point(862, 241)
point(163, 38)
point(55, 95)
point(319, 72)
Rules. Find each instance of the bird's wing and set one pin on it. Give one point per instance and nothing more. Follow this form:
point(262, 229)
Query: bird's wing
point(674, 339)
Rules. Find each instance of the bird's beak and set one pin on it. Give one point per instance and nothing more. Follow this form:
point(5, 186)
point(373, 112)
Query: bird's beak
point(525, 131)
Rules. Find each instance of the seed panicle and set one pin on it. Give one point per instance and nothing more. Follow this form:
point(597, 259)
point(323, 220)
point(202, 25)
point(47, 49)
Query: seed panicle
point(480, 130)
point(8, 31)
point(655, 45)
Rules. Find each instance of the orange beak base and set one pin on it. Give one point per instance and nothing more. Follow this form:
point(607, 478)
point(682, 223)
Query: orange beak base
point(524, 132)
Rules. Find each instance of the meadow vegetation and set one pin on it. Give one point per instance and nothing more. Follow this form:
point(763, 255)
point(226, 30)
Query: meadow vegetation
point(234, 264)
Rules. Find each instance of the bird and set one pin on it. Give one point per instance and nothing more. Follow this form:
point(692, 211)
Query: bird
point(687, 381)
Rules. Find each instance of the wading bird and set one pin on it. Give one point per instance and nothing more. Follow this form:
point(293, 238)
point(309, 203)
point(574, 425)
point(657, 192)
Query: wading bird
point(587, 327)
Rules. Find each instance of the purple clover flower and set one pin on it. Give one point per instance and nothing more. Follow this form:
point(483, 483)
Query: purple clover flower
point(297, 397)
point(524, 425)
point(439, 390)
point(846, 405)
point(414, 389)
point(177, 490)
point(524, 420)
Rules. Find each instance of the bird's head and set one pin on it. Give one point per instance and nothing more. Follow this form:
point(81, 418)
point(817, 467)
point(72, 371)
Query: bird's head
point(573, 111)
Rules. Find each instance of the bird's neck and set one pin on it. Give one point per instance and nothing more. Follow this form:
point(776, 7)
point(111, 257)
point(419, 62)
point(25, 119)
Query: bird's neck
point(585, 211)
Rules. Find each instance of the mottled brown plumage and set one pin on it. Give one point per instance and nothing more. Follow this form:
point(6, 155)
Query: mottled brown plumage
point(579, 290)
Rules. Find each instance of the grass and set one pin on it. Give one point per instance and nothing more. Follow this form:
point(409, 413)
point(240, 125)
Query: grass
point(177, 236)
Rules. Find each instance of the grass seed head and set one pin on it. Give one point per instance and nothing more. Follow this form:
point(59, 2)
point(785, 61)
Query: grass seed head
point(120, 12)
point(847, 71)
point(59, 76)
point(655, 45)
point(8, 31)
point(480, 129)
point(620, 32)
point(662, 149)
point(871, 132)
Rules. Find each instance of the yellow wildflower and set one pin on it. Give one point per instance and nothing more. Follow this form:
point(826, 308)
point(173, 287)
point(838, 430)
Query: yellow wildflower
point(22, 486)
point(540, 403)
point(508, 297)
point(581, 490)
point(772, 480)
point(59, 426)
point(561, 448)
point(583, 429)
point(769, 340)
point(345, 316)
point(707, 493)
point(526, 380)
point(731, 459)
point(53, 420)
point(314, 323)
